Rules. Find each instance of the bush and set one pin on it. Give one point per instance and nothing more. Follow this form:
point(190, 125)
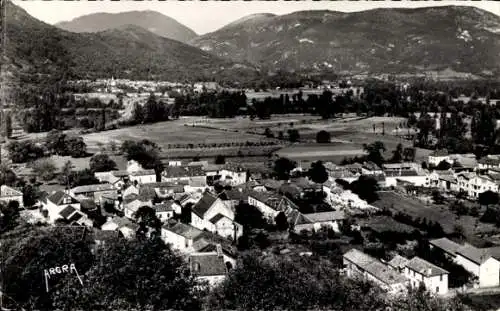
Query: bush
point(323, 137)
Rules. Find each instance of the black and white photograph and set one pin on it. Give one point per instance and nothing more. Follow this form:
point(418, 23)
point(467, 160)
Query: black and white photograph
point(249, 155)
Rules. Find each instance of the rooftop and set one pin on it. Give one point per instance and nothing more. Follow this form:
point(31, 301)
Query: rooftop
point(93, 188)
point(67, 211)
point(217, 217)
point(325, 216)
point(446, 244)
point(204, 204)
point(120, 173)
point(424, 267)
point(6, 191)
point(183, 171)
point(476, 255)
point(143, 173)
point(439, 153)
point(374, 267)
point(163, 207)
point(398, 261)
point(58, 198)
point(207, 264)
point(186, 231)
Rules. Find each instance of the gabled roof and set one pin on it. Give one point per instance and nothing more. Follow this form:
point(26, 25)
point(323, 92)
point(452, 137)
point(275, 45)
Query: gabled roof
point(424, 267)
point(120, 173)
point(207, 264)
point(163, 207)
point(67, 211)
point(446, 244)
point(374, 267)
point(398, 261)
point(439, 153)
point(183, 171)
point(76, 216)
point(325, 216)
point(204, 204)
point(476, 255)
point(143, 173)
point(58, 198)
point(93, 188)
point(6, 191)
point(186, 231)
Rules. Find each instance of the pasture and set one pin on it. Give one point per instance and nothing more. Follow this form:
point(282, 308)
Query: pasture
point(441, 214)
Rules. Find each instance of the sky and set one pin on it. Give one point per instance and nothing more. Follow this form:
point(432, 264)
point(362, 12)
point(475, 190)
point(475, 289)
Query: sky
point(207, 16)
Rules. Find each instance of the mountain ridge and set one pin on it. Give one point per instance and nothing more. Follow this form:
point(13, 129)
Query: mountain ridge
point(153, 21)
point(380, 40)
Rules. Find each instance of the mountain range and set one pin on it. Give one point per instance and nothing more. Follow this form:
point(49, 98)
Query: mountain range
point(153, 21)
point(36, 50)
point(452, 38)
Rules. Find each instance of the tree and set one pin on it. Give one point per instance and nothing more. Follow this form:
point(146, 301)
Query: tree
point(318, 172)
point(366, 188)
point(268, 133)
point(24, 151)
point(220, 159)
point(8, 126)
point(145, 152)
point(101, 163)
point(152, 277)
point(30, 195)
point(37, 249)
point(437, 197)
point(45, 168)
point(249, 216)
point(323, 137)
point(146, 218)
point(76, 147)
point(293, 135)
point(488, 198)
point(397, 154)
point(55, 141)
point(443, 165)
point(66, 173)
point(10, 215)
point(283, 167)
point(409, 154)
point(375, 151)
point(82, 178)
point(7, 175)
point(138, 114)
point(281, 221)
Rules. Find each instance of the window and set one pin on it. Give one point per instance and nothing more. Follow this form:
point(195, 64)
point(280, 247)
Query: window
point(441, 278)
point(437, 289)
point(187, 243)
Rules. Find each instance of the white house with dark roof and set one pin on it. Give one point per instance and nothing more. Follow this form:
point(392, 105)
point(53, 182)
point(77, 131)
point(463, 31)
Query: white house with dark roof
point(8, 194)
point(143, 176)
point(56, 202)
point(398, 263)
point(122, 225)
point(210, 213)
point(164, 211)
point(434, 278)
point(478, 261)
point(181, 236)
point(316, 221)
point(74, 216)
point(208, 268)
point(132, 203)
point(117, 178)
point(437, 156)
point(360, 265)
point(94, 192)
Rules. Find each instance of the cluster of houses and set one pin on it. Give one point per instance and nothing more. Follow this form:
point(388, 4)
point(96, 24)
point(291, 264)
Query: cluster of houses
point(400, 273)
point(196, 220)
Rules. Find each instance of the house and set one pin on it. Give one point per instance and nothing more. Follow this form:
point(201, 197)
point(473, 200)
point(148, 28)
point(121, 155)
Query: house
point(94, 192)
point(117, 178)
point(398, 263)
point(143, 176)
point(408, 172)
point(360, 265)
point(8, 194)
point(54, 203)
point(211, 243)
point(478, 261)
point(181, 236)
point(370, 168)
point(130, 190)
point(270, 204)
point(74, 216)
point(432, 277)
point(438, 156)
point(132, 203)
point(164, 211)
point(208, 267)
point(233, 197)
point(316, 221)
point(193, 175)
point(166, 190)
point(210, 213)
point(134, 166)
point(124, 226)
point(229, 173)
point(489, 162)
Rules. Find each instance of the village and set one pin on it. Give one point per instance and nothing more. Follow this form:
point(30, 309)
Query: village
point(199, 206)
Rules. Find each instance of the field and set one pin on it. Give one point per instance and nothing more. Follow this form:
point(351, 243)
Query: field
point(446, 218)
point(386, 223)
